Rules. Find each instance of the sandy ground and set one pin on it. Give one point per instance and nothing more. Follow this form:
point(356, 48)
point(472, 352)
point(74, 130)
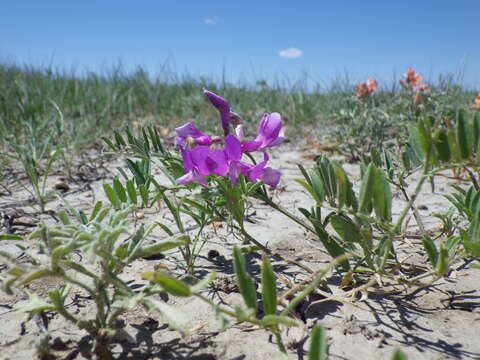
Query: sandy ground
point(439, 322)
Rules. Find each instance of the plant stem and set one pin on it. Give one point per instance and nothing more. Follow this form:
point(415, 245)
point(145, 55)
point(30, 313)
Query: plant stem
point(273, 253)
point(281, 346)
point(403, 214)
point(288, 214)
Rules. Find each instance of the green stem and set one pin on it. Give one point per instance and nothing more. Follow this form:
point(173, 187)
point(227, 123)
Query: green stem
point(398, 225)
point(226, 311)
point(287, 214)
point(281, 346)
point(273, 253)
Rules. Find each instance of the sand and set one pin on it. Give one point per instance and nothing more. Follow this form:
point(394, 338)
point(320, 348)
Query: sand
point(439, 322)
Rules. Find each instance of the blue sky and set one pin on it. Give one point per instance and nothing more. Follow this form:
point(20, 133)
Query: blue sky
point(248, 39)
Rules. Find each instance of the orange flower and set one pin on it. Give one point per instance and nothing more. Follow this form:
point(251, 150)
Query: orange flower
point(372, 85)
point(364, 89)
point(414, 79)
point(476, 102)
point(418, 97)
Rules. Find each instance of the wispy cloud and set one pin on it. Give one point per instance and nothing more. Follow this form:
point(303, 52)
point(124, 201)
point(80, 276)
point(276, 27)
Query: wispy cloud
point(291, 53)
point(211, 20)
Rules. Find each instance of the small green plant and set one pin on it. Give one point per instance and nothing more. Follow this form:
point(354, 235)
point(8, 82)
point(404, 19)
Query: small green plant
point(109, 243)
point(38, 174)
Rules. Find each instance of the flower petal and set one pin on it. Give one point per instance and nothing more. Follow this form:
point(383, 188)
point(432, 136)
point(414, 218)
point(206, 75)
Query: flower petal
point(271, 176)
point(185, 131)
point(192, 176)
point(217, 162)
point(255, 172)
point(233, 148)
point(199, 156)
point(222, 106)
point(250, 146)
point(187, 159)
point(269, 128)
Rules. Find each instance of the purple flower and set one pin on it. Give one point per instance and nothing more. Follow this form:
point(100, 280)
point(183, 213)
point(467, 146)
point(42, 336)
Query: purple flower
point(223, 107)
point(233, 151)
point(201, 162)
point(270, 133)
point(190, 131)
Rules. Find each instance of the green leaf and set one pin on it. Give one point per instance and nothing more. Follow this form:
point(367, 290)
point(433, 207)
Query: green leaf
point(203, 284)
point(269, 287)
point(472, 247)
point(96, 210)
point(399, 355)
point(343, 186)
point(80, 268)
point(367, 187)
point(245, 282)
point(345, 228)
point(57, 255)
point(37, 275)
point(452, 143)
point(476, 129)
point(33, 305)
point(171, 285)
point(273, 320)
point(382, 196)
point(175, 318)
point(442, 263)
point(143, 194)
point(318, 344)
point(119, 140)
point(423, 136)
point(462, 136)
point(431, 249)
point(112, 196)
point(159, 247)
point(10, 237)
point(109, 143)
point(119, 189)
point(62, 215)
point(441, 145)
point(132, 193)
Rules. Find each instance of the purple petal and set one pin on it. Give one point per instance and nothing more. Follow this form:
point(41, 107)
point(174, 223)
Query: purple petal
point(220, 103)
point(185, 131)
point(278, 140)
point(269, 128)
point(271, 176)
point(225, 121)
point(250, 146)
point(222, 106)
point(199, 156)
point(233, 148)
point(255, 172)
point(192, 177)
point(187, 159)
point(217, 162)
point(234, 171)
point(204, 140)
point(188, 130)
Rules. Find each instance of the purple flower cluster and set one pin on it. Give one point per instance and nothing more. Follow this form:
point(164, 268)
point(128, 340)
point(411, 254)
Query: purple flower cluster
point(200, 160)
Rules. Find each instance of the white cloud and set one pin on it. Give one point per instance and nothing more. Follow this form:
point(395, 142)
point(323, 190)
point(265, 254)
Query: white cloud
point(291, 53)
point(211, 20)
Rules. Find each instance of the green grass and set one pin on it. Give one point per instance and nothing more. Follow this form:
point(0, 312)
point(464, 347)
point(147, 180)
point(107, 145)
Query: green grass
point(47, 106)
